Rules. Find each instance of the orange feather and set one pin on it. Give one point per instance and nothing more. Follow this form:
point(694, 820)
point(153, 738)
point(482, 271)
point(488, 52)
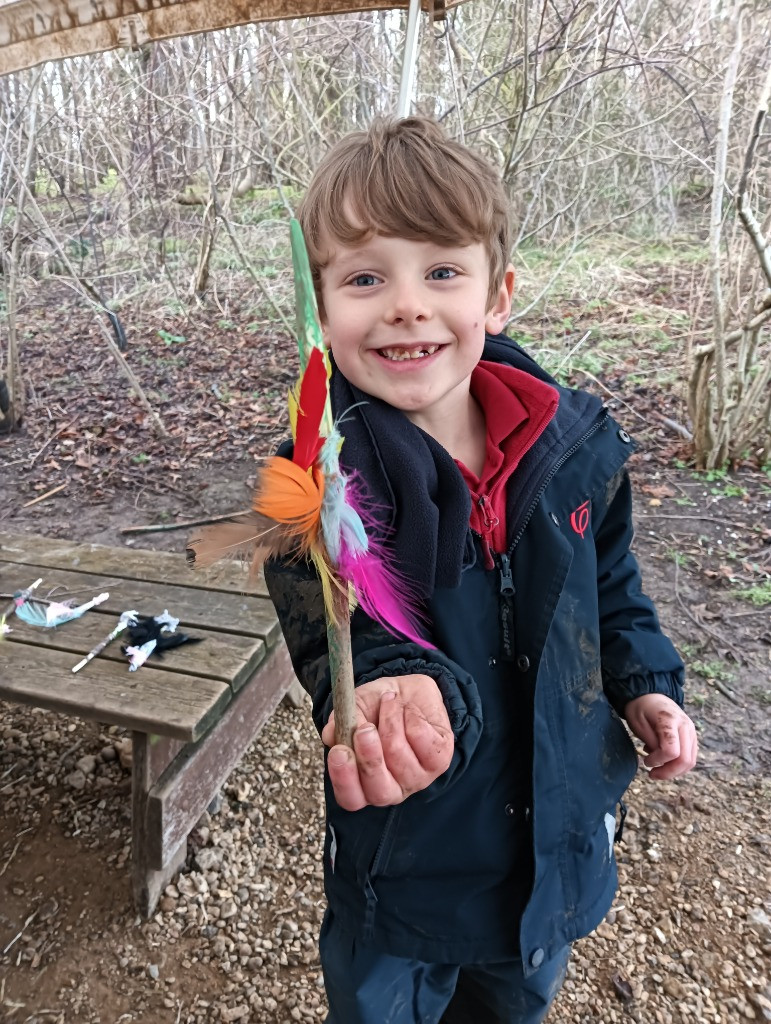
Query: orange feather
point(291, 495)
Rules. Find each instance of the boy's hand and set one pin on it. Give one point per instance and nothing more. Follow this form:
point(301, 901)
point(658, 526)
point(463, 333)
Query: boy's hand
point(402, 742)
point(667, 732)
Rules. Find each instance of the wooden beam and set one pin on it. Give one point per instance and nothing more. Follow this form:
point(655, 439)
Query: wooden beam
point(185, 790)
point(150, 700)
point(197, 609)
point(150, 756)
point(128, 563)
point(34, 31)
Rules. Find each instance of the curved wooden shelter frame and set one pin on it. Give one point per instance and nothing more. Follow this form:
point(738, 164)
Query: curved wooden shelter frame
point(34, 31)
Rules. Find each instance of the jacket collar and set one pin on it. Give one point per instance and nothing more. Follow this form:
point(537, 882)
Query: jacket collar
point(417, 492)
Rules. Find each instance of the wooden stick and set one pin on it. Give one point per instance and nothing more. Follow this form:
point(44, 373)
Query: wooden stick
point(341, 666)
point(158, 527)
point(47, 494)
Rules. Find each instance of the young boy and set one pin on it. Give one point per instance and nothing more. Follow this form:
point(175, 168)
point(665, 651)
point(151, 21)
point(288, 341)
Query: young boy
point(470, 830)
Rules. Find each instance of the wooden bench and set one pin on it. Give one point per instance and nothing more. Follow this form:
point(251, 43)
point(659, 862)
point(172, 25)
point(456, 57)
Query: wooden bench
point(192, 715)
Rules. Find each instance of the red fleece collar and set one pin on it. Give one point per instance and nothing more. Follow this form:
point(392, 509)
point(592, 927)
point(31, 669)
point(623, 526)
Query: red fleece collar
point(517, 409)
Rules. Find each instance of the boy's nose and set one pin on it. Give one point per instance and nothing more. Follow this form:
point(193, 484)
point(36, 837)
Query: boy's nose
point(408, 305)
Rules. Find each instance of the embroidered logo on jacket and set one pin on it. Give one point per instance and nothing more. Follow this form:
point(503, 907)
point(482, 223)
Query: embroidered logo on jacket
point(579, 519)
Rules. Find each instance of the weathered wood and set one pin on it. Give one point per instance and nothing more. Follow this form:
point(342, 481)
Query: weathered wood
point(200, 609)
point(193, 714)
point(129, 563)
point(150, 701)
point(151, 754)
point(226, 656)
point(34, 31)
point(295, 696)
point(187, 787)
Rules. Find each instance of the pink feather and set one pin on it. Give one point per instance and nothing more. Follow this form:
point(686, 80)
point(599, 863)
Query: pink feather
point(384, 593)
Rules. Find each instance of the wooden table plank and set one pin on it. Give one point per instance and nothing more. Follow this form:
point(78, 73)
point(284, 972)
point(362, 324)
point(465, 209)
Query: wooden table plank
point(228, 657)
point(156, 702)
point(126, 563)
point(197, 609)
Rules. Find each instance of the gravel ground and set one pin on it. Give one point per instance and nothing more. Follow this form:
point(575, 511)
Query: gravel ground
point(234, 938)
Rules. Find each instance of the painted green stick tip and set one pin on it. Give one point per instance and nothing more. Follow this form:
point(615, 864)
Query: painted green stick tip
point(308, 326)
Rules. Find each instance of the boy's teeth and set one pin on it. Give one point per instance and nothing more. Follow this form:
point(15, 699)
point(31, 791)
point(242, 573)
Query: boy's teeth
point(405, 353)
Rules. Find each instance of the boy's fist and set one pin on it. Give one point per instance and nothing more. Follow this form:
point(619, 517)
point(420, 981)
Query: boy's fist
point(667, 732)
point(401, 744)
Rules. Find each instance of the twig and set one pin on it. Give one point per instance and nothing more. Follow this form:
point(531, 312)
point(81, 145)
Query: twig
point(48, 494)
point(24, 927)
point(16, 847)
point(726, 692)
point(158, 527)
point(706, 519)
point(10, 785)
point(70, 750)
point(612, 394)
point(674, 425)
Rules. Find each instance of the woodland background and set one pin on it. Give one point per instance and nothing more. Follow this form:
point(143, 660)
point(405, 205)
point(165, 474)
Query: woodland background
point(161, 178)
point(146, 348)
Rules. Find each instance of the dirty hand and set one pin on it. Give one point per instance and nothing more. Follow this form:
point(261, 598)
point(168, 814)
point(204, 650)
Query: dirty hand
point(401, 743)
point(667, 732)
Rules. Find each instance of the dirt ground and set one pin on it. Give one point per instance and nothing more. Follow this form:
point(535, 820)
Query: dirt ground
point(689, 938)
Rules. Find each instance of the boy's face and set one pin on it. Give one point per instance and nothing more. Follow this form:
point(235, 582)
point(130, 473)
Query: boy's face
point(406, 320)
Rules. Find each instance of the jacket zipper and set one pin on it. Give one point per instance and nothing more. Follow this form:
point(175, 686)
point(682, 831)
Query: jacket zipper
point(506, 589)
point(550, 476)
point(506, 593)
point(369, 891)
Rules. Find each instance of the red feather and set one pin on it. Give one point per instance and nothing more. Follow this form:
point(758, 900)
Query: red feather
point(312, 399)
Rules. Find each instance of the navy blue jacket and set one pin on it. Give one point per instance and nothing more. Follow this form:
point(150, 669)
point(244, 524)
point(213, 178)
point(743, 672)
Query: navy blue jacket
point(510, 852)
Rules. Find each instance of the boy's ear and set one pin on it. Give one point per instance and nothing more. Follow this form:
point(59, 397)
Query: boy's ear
point(500, 311)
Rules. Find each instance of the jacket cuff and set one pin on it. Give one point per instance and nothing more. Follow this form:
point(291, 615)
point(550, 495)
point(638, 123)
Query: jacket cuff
point(455, 701)
point(620, 691)
point(459, 693)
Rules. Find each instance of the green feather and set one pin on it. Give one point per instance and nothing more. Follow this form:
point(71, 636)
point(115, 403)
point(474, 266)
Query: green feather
point(309, 334)
point(308, 326)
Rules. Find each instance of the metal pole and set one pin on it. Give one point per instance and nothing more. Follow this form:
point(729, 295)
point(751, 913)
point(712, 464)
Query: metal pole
point(407, 82)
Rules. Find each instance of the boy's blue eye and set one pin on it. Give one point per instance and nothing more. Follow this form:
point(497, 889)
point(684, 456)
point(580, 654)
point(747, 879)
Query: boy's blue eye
point(364, 280)
point(442, 274)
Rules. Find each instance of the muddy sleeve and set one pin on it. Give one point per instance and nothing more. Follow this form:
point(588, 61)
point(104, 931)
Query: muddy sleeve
point(637, 658)
point(296, 592)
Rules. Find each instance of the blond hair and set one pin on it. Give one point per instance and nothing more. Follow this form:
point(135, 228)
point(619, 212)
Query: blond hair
point(406, 179)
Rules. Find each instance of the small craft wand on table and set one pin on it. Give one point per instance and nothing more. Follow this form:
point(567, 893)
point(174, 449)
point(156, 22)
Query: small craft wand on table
point(126, 619)
point(19, 598)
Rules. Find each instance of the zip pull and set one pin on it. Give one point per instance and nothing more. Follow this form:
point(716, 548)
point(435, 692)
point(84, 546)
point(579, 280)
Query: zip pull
point(507, 580)
point(490, 521)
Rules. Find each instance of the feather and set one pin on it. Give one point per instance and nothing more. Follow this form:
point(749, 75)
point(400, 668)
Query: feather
point(49, 614)
point(383, 593)
point(249, 537)
point(311, 400)
point(292, 496)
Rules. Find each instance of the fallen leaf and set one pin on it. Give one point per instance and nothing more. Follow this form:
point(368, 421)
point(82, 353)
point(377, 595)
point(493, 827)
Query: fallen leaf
point(622, 988)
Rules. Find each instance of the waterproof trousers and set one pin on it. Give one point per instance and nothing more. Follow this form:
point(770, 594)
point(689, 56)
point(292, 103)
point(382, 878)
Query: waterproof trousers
point(367, 987)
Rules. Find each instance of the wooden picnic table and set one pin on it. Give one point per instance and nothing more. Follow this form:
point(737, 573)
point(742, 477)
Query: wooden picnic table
point(192, 714)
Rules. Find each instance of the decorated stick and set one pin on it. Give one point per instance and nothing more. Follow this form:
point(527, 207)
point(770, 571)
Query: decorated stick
point(126, 619)
point(19, 598)
point(309, 337)
point(305, 506)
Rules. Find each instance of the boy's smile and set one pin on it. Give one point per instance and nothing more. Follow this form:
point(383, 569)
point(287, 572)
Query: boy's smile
point(406, 321)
